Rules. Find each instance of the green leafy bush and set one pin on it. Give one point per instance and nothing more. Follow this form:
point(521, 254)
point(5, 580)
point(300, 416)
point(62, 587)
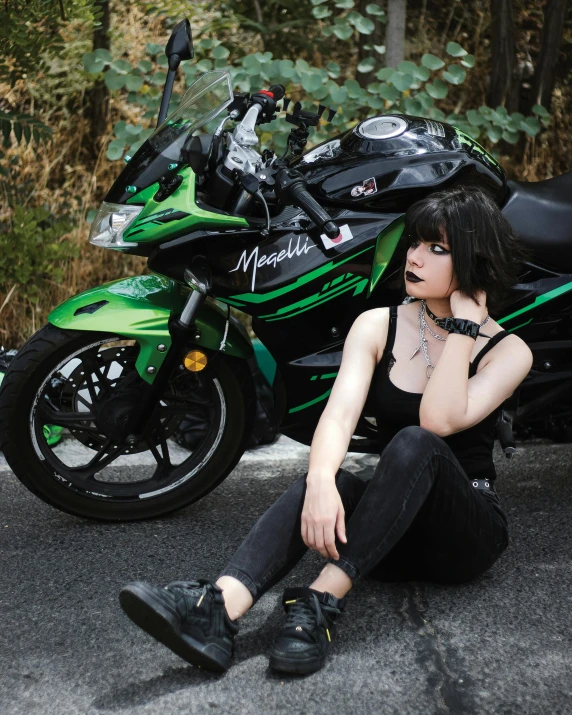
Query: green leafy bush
point(34, 251)
point(411, 88)
point(22, 126)
point(30, 36)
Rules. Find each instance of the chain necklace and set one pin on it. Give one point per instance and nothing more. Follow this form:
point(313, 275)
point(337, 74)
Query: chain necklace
point(423, 325)
point(428, 327)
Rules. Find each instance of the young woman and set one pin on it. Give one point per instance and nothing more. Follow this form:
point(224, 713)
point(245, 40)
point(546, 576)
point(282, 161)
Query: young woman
point(430, 511)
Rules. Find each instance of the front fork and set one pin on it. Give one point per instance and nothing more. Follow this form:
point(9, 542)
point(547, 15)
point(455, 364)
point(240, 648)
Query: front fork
point(179, 328)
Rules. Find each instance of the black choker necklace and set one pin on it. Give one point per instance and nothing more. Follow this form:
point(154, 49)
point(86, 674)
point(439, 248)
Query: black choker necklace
point(434, 318)
point(445, 323)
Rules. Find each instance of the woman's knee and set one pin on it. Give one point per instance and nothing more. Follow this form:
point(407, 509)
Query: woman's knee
point(409, 453)
point(294, 494)
point(414, 441)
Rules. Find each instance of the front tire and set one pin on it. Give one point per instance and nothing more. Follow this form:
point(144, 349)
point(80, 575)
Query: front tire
point(38, 372)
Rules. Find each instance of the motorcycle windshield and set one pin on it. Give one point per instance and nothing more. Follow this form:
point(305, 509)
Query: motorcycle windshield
point(205, 99)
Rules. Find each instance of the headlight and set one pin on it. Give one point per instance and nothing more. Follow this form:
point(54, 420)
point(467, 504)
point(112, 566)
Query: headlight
point(110, 223)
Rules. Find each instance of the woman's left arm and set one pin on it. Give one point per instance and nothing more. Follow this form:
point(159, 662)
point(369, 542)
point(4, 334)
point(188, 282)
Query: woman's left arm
point(451, 401)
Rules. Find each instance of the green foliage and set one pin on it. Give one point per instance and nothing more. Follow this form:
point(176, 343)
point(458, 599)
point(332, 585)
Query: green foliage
point(341, 20)
point(128, 135)
point(432, 62)
point(30, 32)
point(410, 88)
point(30, 37)
point(22, 127)
point(498, 124)
point(33, 252)
point(455, 50)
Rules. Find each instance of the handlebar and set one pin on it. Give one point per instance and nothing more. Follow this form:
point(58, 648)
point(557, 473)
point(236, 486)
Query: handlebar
point(277, 91)
point(291, 185)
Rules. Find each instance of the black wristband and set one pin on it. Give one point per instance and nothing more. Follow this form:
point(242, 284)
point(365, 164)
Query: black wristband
point(461, 326)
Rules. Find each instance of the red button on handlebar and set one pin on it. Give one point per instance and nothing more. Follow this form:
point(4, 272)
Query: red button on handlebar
point(265, 91)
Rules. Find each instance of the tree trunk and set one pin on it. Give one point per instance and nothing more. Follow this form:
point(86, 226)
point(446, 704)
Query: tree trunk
point(395, 32)
point(503, 56)
point(550, 39)
point(376, 38)
point(99, 95)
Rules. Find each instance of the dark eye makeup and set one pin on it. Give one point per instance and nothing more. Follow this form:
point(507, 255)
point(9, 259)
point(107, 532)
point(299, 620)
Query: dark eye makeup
point(442, 250)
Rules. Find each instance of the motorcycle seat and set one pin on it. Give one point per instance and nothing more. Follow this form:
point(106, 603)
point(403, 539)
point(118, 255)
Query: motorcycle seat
point(540, 213)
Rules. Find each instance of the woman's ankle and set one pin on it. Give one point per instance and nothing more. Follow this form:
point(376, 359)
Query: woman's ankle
point(332, 580)
point(237, 598)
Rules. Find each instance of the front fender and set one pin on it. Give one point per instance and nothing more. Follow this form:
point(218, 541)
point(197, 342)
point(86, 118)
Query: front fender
point(139, 308)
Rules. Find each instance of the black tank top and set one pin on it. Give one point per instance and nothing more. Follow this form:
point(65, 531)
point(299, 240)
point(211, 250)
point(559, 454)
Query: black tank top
point(395, 408)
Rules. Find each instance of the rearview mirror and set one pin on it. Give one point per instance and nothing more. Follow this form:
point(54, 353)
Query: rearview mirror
point(179, 47)
point(181, 42)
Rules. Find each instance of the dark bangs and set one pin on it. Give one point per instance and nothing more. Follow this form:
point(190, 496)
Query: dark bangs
point(485, 253)
point(423, 222)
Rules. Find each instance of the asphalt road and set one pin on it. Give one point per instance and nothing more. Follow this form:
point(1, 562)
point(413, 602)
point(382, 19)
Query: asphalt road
point(502, 644)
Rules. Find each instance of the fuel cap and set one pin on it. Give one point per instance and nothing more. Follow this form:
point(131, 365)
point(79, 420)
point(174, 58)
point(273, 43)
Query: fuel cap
point(384, 127)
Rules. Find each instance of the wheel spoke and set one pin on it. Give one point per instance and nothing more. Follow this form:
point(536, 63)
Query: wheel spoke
point(197, 399)
point(90, 364)
point(99, 461)
point(169, 410)
point(165, 448)
point(71, 420)
point(91, 388)
point(154, 451)
point(80, 398)
point(164, 467)
point(170, 397)
point(104, 374)
point(92, 367)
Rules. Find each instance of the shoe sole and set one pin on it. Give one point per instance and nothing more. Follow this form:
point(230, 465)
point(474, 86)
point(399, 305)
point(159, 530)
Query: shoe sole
point(151, 615)
point(296, 667)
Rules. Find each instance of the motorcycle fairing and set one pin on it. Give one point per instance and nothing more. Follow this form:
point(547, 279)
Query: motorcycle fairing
point(156, 220)
point(311, 292)
point(385, 246)
point(384, 250)
point(540, 214)
point(139, 308)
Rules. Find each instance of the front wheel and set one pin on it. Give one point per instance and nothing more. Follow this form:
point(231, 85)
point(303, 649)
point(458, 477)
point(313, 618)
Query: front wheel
point(87, 384)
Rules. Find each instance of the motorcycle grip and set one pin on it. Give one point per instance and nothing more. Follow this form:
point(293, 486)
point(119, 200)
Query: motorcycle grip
point(319, 216)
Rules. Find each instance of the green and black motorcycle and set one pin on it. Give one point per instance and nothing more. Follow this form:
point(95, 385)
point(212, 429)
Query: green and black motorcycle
point(303, 243)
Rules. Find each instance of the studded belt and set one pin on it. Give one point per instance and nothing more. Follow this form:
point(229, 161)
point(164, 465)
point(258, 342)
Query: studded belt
point(482, 484)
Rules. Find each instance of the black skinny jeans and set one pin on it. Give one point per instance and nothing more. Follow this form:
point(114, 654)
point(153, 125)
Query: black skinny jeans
point(418, 518)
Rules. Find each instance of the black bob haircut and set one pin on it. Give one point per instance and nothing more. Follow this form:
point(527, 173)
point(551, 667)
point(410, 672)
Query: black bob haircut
point(486, 254)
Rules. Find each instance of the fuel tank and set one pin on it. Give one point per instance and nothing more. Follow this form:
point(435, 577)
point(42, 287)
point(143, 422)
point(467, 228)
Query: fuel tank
point(387, 162)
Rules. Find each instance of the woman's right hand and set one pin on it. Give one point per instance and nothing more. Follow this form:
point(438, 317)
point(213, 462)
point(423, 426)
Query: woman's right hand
point(323, 515)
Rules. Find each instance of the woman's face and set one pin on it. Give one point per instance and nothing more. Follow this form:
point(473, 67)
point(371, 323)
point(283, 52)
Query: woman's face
point(433, 263)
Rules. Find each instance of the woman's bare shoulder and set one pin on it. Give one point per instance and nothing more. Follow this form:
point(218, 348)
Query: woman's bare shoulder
point(375, 324)
point(509, 350)
point(375, 318)
point(511, 344)
point(376, 315)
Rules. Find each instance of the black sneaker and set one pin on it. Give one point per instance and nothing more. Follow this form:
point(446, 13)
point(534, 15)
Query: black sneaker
point(189, 617)
point(303, 643)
